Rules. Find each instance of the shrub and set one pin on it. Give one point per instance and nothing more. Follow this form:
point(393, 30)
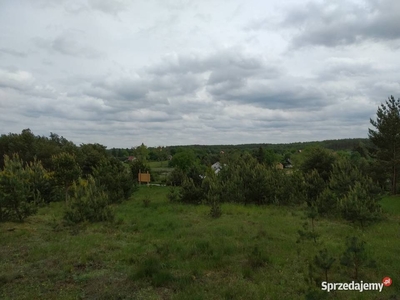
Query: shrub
point(88, 203)
point(18, 198)
point(116, 180)
point(190, 193)
point(355, 256)
point(176, 177)
point(173, 194)
point(360, 206)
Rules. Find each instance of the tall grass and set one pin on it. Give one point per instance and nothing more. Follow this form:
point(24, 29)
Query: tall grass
point(166, 250)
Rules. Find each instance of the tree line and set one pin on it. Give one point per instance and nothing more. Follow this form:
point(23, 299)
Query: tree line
point(37, 170)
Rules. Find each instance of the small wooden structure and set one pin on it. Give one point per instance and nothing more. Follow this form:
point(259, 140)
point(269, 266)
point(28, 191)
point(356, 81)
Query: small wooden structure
point(144, 177)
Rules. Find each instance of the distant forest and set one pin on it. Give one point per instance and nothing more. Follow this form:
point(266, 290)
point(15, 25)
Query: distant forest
point(335, 145)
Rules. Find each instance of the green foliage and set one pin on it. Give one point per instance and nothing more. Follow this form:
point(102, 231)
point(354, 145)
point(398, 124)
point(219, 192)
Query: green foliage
point(89, 203)
point(18, 198)
point(43, 182)
point(314, 186)
point(212, 192)
point(183, 160)
point(355, 256)
point(324, 260)
point(176, 177)
point(307, 233)
point(173, 194)
point(190, 193)
point(242, 180)
point(141, 152)
point(66, 170)
point(115, 178)
point(336, 200)
point(319, 159)
point(137, 166)
point(386, 137)
point(359, 205)
point(90, 156)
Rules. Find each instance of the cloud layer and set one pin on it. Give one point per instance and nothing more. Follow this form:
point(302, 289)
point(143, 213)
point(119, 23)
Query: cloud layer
point(165, 72)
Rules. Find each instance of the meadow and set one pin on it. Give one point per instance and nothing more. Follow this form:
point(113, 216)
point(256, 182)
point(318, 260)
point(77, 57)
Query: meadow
point(160, 250)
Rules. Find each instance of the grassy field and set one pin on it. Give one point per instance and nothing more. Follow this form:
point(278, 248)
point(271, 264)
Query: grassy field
point(173, 251)
point(160, 170)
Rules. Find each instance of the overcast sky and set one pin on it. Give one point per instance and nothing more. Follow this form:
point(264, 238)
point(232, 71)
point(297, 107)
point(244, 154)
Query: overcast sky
point(179, 72)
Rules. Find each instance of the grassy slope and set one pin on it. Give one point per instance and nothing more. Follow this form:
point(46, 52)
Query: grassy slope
point(166, 251)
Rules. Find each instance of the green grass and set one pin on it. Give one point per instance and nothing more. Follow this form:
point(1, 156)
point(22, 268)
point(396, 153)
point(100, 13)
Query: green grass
point(391, 205)
point(159, 250)
point(159, 165)
point(160, 170)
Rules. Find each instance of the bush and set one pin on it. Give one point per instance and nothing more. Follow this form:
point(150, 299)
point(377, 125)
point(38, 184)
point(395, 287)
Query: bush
point(176, 177)
point(173, 194)
point(88, 203)
point(360, 206)
point(116, 180)
point(18, 198)
point(190, 193)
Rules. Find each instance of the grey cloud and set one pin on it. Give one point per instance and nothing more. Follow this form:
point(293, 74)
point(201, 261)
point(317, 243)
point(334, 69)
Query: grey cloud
point(109, 6)
point(338, 23)
point(69, 44)
point(336, 68)
point(13, 52)
point(195, 63)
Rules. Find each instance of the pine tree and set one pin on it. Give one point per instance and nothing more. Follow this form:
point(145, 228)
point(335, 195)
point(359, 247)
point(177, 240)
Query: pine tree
point(66, 170)
point(18, 199)
point(324, 261)
point(386, 137)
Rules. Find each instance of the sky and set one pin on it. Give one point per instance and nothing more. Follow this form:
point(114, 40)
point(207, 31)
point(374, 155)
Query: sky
point(181, 72)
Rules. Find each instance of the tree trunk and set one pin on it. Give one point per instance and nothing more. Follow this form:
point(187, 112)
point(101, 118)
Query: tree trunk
point(66, 194)
point(394, 181)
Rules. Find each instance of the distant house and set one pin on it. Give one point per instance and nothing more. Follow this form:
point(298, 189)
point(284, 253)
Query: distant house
point(221, 152)
point(216, 167)
point(131, 158)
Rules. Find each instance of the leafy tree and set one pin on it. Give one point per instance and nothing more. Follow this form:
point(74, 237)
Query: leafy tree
point(141, 152)
point(66, 170)
point(183, 160)
point(270, 158)
point(319, 159)
point(18, 199)
point(386, 137)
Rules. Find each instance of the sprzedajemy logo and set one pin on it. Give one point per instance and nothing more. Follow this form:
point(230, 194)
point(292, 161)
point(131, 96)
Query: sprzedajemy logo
point(356, 286)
